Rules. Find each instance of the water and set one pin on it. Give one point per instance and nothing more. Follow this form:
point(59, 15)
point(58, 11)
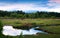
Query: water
point(9, 30)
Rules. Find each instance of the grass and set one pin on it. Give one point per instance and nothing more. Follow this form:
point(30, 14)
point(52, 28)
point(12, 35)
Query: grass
point(44, 36)
point(36, 36)
point(54, 29)
point(19, 22)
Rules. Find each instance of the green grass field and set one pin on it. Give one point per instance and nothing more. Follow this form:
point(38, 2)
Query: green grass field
point(54, 29)
point(36, 21)
point(19, 22)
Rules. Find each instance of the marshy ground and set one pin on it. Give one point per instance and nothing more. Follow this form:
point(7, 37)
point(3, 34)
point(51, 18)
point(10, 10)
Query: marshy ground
point(50, 25)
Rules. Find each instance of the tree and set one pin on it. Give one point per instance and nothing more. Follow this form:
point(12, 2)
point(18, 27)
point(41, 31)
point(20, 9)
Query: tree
point(13, 15)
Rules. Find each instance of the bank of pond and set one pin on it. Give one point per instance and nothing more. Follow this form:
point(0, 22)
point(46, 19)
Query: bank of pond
point(9, 31)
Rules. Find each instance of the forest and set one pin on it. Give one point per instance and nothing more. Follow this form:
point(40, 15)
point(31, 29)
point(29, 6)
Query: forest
point(21, 14)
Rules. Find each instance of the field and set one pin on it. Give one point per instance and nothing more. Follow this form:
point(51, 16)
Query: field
point(51, 25)
point(24, 21)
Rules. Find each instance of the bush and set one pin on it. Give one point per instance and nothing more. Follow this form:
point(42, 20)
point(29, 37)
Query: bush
point(1, 25)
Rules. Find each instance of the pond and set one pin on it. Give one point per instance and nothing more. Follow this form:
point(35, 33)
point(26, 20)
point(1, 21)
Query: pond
point(9, 30)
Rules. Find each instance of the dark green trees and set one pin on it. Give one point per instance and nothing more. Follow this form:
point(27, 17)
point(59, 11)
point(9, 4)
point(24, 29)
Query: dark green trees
point(21, 14)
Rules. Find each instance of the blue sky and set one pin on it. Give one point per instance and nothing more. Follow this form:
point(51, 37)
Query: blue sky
point(26, 5)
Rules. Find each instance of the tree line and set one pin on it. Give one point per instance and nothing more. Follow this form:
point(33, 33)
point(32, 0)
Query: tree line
point(21, 14)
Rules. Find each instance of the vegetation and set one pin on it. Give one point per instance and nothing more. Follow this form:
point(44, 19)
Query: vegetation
point(21, 14)
point(53, 29)
point(49, 21)
point(1, 25)
point(19, 22)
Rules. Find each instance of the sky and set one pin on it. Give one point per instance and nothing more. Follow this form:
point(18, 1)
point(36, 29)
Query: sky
point(26, 5)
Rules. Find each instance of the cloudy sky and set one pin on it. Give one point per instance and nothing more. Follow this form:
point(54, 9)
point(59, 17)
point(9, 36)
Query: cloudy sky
point(25, 5)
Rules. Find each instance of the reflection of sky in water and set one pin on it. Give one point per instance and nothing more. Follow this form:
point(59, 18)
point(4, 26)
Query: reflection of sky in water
point(9, 30)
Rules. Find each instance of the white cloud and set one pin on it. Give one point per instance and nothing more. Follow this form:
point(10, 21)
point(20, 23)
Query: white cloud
point(21, 7)
point(56, 1)
point(28, 6)
point(16, 6)
point(54, 10)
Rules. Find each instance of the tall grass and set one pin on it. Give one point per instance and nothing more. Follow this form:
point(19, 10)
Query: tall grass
point(1, 27)
point(19, 22)
point(21, 36)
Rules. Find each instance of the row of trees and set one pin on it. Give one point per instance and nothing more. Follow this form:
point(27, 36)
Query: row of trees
point(21, 14)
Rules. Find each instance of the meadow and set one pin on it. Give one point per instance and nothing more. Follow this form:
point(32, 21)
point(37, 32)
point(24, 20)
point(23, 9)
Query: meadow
point(19, 22)
point(51, 25)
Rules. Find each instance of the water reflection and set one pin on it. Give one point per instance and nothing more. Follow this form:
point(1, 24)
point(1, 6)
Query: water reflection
point(9, 30)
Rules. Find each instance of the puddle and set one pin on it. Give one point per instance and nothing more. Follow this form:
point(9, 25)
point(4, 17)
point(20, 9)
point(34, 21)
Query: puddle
point(9, 30)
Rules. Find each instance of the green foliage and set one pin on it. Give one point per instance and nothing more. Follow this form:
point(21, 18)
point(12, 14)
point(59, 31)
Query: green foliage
point(21, 14)
point(21, 36)
point(13, 15)
point(1, 27)
point(53, 29)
